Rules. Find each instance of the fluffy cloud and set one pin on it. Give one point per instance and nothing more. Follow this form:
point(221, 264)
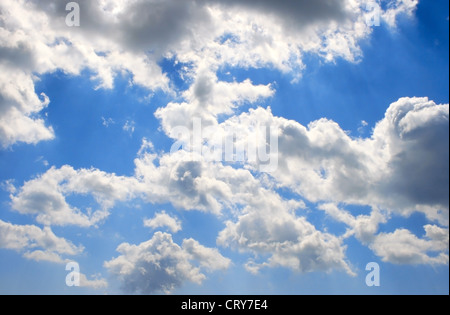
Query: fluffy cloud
point(19, 106)
point(36, 243)
point(161, 265)
point(364, 227)
point(123, 37)
point(329, 164)
point(270, 227)
point(402, 167)
point(400, 247)
point(94, 283)
point(45, 196)
point(164, 220)
point(206, 99)
point(403, 247)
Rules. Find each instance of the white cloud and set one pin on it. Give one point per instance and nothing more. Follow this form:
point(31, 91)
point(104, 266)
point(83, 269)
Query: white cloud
point(402, 167)
point(164, 220)
point(398, 7)
point(39, 244)
point(329, 166)
point(160, 265)
point(206, 99)
point(19, 107)
point(107, 122)
point(209, 258)
point(364, 227)
point(400, 247)
point(270, 227)
point(403, 247)
point(94, 283)
point(129, 126)
point(45, 196)
point(131, 37)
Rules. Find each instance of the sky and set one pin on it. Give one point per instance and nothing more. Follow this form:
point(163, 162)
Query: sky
point(224, 147)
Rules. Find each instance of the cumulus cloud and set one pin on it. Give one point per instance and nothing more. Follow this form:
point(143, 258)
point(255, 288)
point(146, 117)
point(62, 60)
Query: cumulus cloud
point(164, 220)
point(19, 108)
point(94, 283)
point(329, 164)
point(403, 247)
point(45, 196)
point(270, 227)
point(400, 247)
point(363, 227)
point(123, 37)
point(160, 265)
point(36, 243)
point(402, 167)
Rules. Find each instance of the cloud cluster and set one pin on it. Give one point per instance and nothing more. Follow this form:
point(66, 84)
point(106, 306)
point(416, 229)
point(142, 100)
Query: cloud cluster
point(45, 196)
point(123, 37)
point(402, 247)
point(329, 165)
point(271, 228)
point(94, 283)
point(160, 265)
point(164, 220)
point(36, 243)
point(402, 168)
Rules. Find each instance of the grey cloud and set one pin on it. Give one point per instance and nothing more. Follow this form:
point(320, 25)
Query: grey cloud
point(36, 243)
point(21, 56)
point(160, 265)
point(151, 26)
point(403, 167)
point(421, 168)
point(302, 11)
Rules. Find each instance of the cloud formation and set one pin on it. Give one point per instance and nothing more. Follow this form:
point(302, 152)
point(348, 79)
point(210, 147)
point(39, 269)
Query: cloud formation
point(36, 243)
point(162, 220)
point(117, 37)
point(330, 166)
point(400, 169)
point(160, 265)
point(45, 196)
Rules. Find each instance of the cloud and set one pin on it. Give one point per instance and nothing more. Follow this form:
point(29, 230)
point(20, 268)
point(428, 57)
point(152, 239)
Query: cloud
point(329, 165)
point(206, 99)
point(209, 258)
point(164, 220)
point(39, 244)
point(130, 38)
point(271, 228)
point(19, 108)
point(160, 265)
point(402, 168)
point(363, 227)
point(107, 122)
point(45, 196)
point(129, 127)
point(402, 247)
point(94, 284)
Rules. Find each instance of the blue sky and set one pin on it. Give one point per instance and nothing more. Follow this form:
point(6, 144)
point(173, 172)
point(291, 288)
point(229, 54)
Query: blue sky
point(361, 113)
